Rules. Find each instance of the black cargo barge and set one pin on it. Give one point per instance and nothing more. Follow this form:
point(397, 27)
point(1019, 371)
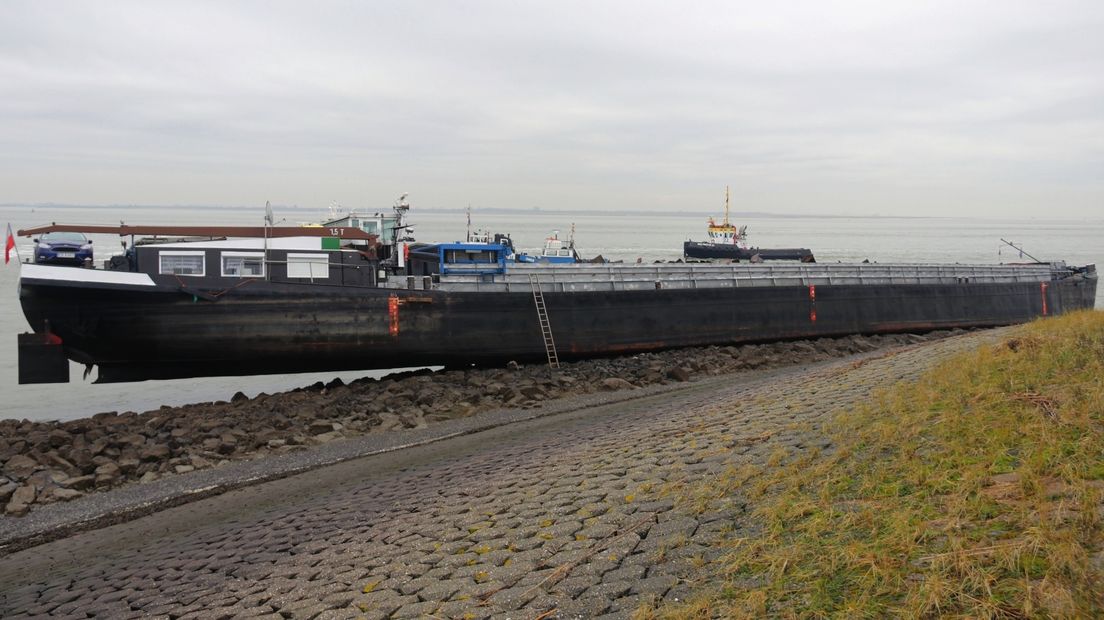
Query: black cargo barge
point(298, 305)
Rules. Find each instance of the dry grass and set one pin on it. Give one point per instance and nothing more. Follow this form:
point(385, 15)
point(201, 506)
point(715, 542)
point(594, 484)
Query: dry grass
point(976, 492)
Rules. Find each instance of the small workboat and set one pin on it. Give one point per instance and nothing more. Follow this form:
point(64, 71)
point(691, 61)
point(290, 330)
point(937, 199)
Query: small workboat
point(555, 250)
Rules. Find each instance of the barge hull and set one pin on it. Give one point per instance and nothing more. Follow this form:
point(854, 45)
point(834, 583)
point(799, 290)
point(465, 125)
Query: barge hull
point(700, 249)
point(133, 334)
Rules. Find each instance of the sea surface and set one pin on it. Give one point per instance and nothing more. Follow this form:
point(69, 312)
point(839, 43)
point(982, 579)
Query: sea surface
point(627, 237)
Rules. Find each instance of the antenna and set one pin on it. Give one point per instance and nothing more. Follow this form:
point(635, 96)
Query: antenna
point(1022, 251)
point(726, 206)
point(268, 222)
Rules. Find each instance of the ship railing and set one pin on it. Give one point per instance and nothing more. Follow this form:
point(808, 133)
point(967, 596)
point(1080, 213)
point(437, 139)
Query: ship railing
point(581, 277)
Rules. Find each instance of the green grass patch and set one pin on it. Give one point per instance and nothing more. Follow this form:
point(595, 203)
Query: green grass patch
point(977, 491)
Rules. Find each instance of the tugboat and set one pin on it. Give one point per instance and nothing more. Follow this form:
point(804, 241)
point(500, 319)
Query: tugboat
point(727, 241)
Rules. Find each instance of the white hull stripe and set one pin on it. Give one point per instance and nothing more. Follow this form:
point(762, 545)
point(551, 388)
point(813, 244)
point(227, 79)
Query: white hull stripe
point(80, 274)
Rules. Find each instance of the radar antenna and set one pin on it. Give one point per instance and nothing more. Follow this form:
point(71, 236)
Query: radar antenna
point(401, 208)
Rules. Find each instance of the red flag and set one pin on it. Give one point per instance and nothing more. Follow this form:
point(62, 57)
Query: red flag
point(9, 245)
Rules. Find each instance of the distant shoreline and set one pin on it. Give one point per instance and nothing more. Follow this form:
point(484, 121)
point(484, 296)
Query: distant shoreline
point(513, 210)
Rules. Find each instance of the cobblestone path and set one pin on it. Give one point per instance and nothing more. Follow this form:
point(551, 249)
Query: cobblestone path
point(559, 517)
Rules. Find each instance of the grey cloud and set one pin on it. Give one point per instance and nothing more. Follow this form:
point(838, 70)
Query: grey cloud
point(850, 107)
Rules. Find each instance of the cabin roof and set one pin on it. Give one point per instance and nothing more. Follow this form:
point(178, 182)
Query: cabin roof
point(247, 243)
point(259, 232)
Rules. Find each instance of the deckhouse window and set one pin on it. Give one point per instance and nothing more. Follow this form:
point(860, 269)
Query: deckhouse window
point(313, 266)
point(182, 263)
point(470, 256)
point(243, 264)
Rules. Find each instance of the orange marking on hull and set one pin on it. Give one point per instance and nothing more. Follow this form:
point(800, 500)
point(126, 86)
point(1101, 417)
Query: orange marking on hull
point(393, 314)
point(812, 303)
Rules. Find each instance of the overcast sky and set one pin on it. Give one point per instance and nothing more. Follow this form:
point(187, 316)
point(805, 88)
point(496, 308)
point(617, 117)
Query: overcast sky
point(941, 108)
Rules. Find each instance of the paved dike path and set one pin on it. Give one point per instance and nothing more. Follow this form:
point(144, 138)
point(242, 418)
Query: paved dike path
point(560, 516)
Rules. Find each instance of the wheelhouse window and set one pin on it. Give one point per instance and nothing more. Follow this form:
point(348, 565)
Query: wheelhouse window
point(471, 256)
point(182, 263)
point(243, 264)
point(313, 266)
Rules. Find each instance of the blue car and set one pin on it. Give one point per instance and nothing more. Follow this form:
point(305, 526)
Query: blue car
point(63, 248)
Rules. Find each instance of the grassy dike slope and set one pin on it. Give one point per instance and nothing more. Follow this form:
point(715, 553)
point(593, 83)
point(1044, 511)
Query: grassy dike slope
point(975, 492)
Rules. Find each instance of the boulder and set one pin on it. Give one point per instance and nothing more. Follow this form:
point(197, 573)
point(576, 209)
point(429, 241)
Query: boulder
point(6, 490)
point(156, 422)
point(227, 444)
point(804, 348)
point(155, 452)
point(45, 478)
point(412, 419)
point(135, 440)
point(59, 438)
point(535, 392)
point(20, 466)
point(319, 427)
point(80, 483)
point(461, 409)
point(21, 500)
point(616, 383)
point(98, 446)
point(107, 473)
point(427, 397)
point(56, 461)
point(678, 373)
point(238, 397)
point(63, 495)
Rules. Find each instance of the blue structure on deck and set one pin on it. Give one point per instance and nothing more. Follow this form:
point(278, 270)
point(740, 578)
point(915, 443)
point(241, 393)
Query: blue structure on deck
point(472, 258)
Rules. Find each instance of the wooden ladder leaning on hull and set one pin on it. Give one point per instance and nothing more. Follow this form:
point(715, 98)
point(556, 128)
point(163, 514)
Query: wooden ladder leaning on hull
point(542, 318)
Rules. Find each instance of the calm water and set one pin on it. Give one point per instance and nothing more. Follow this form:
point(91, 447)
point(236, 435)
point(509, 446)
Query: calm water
point(617, 237)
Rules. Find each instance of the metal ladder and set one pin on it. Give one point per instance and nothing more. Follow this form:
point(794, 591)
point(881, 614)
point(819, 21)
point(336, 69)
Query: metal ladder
point(542, 318)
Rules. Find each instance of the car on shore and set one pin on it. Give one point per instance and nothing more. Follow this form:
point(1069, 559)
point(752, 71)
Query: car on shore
point(63, 248)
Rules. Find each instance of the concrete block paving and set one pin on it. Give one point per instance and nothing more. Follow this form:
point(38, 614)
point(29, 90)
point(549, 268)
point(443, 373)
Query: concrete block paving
point(571, 516)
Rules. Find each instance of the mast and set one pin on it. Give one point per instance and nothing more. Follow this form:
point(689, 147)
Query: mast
point(267, 222)
point(726, 206)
